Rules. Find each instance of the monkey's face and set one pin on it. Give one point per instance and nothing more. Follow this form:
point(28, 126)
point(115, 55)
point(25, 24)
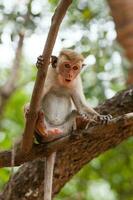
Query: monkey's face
point(69, 70)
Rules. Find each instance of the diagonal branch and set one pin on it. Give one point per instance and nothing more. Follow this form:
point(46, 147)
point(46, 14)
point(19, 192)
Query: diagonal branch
point(98, 133)
point(57, 18)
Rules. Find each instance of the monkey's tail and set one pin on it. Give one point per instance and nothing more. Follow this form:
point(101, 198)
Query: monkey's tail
point(48, 175)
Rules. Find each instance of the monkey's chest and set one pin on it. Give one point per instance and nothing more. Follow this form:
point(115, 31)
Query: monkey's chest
point(56, 108)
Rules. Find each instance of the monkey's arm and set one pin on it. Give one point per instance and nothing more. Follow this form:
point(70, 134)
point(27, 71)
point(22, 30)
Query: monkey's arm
point(81, 105)
point(83, 108)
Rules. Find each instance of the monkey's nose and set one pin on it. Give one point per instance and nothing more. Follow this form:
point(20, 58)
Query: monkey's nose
point(70, 75)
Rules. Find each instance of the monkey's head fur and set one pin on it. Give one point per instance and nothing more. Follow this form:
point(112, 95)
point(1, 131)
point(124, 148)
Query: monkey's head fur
point(66, 54)
point(68, 64)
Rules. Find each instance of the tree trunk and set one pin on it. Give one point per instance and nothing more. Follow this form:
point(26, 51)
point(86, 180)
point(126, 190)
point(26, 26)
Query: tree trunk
point(80, 148)
point(122, 12)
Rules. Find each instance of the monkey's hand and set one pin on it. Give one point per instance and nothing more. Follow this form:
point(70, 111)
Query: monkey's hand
point(103, 119)
point(94, 118)
point(88, 115)
point(40, 61)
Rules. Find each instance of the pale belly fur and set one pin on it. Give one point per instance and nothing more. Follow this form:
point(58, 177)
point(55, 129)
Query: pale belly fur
point(56, 108)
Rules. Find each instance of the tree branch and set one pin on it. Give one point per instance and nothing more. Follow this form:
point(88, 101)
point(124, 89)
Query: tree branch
point(74, 151)
point(57, 18)
point(42, 150)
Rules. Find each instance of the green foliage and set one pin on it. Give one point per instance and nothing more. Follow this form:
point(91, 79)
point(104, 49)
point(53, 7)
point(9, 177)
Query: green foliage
point(4, 174)
point(13, 119)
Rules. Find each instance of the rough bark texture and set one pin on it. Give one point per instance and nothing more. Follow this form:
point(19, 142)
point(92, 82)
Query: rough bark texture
point(77, 150)
point(122, 12)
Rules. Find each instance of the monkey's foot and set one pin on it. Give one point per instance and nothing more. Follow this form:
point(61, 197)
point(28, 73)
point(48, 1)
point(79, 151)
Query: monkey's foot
point(103, 119)
point(41, 129)
point(81, 122)
point(54, 131)
point(52, 134)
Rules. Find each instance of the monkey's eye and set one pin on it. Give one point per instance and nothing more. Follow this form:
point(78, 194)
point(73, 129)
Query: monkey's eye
point(67, 65)
point(75, 67)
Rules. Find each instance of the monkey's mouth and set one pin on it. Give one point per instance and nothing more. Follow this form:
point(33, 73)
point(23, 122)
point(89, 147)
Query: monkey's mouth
point(67, 80)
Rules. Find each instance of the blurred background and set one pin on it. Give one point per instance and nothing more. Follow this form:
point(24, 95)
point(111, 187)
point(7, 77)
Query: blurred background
point(107, 44)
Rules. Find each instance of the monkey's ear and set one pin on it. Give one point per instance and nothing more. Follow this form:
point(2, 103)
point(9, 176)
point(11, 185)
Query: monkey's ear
point(83, 65)
point(54, 60)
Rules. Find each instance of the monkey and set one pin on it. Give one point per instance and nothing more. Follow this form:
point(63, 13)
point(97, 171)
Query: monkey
point(63, 102)
point(63, 87)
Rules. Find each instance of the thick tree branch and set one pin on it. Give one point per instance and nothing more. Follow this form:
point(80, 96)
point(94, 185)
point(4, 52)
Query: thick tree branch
point(73, 151)
point(41, 75)
point(39, 151)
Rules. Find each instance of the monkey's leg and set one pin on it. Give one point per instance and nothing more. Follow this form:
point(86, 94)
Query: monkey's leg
point(40, 127)
point(54, 132)
point(46, 133)
point(82, 123)
point(73, 121)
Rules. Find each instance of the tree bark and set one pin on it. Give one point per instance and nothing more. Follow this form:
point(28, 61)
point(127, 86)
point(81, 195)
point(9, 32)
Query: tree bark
point(76, 150)
point(122, 12)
